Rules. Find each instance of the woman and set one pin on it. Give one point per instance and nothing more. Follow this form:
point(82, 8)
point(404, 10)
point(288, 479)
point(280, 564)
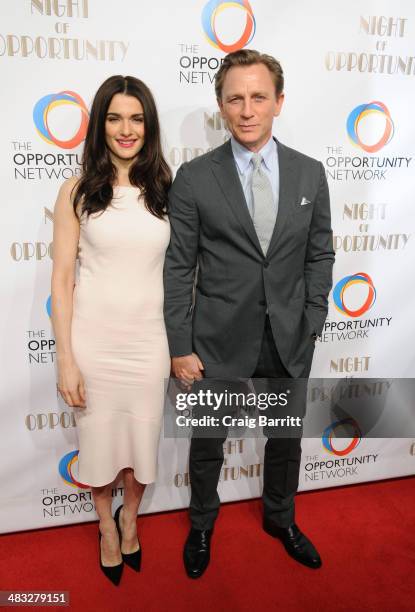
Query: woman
point(112, 350)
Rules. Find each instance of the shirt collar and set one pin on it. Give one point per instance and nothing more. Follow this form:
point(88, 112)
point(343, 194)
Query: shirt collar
point(243, 155)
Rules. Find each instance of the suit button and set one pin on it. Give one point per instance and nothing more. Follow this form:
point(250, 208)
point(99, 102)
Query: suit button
point(266, 264)
point(262, 303)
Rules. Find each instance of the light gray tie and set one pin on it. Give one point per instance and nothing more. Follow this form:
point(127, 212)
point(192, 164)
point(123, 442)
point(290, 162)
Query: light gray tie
point(264, 213)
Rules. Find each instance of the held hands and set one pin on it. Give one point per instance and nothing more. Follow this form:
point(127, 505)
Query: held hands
point(187, 368)
point(70, 384)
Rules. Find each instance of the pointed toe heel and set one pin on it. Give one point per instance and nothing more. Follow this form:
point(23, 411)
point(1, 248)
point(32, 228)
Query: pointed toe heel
point(113, 572)
point(133, 560)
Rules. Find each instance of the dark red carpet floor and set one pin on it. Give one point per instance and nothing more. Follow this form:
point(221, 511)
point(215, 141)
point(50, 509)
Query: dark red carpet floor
point(365, 534)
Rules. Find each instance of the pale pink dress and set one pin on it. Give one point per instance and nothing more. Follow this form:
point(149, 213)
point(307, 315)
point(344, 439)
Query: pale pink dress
point(119, 339)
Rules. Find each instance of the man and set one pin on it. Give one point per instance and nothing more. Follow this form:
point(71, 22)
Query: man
point(254, 216)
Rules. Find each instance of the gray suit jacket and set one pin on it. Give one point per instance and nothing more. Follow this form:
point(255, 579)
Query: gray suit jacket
point(223, 320)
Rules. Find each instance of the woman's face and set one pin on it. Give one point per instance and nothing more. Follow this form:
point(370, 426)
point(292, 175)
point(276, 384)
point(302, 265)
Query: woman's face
point(124, 127)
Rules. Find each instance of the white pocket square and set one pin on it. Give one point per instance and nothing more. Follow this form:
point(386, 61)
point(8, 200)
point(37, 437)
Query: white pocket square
point(304, 201)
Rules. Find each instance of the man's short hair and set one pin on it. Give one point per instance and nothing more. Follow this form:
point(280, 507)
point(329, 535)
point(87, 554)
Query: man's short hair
point(249, 57)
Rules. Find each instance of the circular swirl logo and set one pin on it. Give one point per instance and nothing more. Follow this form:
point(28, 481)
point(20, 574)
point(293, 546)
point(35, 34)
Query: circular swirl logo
point(344, 284)
point(362, 111)
point(65, 470)
point(49, 306)
point(41, 112)
point(330, 431)
point(209, 14)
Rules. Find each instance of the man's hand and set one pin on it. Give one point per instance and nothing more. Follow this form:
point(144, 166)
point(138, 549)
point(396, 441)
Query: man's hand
point(187, 368)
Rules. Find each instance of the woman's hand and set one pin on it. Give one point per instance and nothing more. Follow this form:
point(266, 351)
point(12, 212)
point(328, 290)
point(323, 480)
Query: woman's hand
point(70, 383)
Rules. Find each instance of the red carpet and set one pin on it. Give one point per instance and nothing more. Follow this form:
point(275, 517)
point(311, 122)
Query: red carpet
point(365, 534)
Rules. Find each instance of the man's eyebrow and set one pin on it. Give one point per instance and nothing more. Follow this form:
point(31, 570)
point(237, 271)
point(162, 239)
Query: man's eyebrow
point(254, 93)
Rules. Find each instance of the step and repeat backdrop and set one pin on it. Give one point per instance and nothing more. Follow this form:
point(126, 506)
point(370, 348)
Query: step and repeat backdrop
point(350, 95)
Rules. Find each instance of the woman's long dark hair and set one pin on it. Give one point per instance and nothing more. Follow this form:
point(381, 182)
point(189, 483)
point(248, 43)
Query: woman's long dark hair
point(149, 172)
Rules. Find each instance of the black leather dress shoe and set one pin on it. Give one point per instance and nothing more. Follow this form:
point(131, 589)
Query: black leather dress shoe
point(196, 554)
point(297, 545)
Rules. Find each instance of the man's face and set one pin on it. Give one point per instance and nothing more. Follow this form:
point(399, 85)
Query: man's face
point(249, 104)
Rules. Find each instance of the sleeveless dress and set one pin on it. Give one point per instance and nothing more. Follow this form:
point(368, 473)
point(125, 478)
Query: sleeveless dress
point(119, 339)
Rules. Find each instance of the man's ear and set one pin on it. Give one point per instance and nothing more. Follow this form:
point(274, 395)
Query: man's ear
point(220, 104)
point(278, 104)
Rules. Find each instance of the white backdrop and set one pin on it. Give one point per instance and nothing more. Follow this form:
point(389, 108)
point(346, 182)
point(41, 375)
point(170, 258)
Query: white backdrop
point(340, 59)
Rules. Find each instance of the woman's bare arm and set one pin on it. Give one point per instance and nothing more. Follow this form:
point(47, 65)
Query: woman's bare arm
point(65, 246)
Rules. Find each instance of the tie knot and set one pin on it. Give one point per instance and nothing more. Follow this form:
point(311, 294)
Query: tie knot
point(256, 160)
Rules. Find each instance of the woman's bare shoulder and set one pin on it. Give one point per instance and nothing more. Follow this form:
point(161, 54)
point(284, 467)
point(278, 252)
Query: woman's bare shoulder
point(68, 187)
point(65, 199)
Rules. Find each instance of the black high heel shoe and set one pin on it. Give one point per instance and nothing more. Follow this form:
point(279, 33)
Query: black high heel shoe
point(131, 559)
point(112, 572)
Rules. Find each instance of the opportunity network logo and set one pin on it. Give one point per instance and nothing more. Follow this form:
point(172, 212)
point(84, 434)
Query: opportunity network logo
point(358, 116)
point(48, 306)
point(65, 470)
point(343, 286)
point(42, 110)
point(209, 15)
point(329, 434)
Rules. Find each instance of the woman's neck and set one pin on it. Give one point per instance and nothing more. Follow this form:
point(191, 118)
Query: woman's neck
point(122, 167)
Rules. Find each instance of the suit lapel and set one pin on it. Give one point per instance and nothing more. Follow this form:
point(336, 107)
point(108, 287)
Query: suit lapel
point(226, 174)
point(287, 191)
